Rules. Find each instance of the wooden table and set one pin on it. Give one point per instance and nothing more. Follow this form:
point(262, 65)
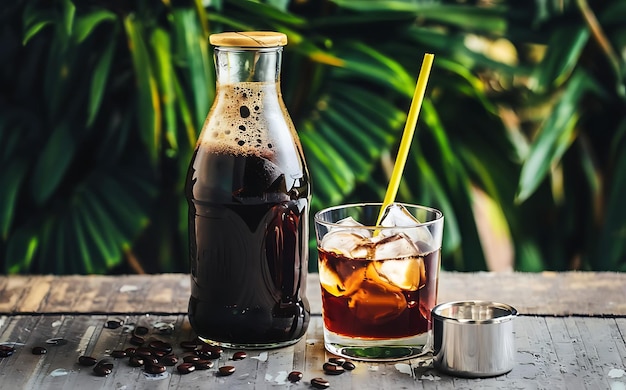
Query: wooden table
point(571, 334)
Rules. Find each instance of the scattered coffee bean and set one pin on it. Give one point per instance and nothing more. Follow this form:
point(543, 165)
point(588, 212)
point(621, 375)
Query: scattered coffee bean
point(188, 345)
point(87, 361)
point(143, 352)
point(103, 368)
point(136, 361)
point(294, 376)
point(226, 370)
point(159, 345)
point(337, 360)
point(332, 369)
point(141, 331)
point(155, 368)
point(320, 383)
point(39, 351)
point(137, 340)
point(159, 354)
point(239, 355)
point(130, 351)
point(118, 354)
point(203, 364)
point(105, 363)
point(348, 366)
point(209, 351)
point(169, 360)
point(6, 351)
point(150, 360)
point(191, 358)
point(113, 324)
point(185, 368)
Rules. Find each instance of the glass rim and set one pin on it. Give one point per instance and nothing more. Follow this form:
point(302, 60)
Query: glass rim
point(438, 213)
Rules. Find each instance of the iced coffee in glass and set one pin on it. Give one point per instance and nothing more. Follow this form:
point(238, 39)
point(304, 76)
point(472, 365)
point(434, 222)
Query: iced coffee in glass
point(379, 279)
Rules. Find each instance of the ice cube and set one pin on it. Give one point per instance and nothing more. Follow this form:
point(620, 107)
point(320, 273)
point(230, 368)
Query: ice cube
point(376, 301)
point(342, 277)
point(407, 274)
point(393, 247)
point(350, 224)
point(398, 215)
point(341, 241)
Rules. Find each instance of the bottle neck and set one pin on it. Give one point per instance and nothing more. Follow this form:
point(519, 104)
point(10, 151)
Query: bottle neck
point(237, 65)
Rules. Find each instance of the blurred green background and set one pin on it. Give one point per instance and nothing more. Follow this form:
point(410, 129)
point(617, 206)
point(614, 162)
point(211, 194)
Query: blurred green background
point(521, 140)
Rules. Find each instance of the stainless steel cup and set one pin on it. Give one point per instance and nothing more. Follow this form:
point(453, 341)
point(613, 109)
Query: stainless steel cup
point(474, 338)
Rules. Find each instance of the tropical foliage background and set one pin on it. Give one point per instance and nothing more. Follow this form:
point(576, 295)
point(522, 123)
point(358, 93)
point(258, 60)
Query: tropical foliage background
point(101, 103)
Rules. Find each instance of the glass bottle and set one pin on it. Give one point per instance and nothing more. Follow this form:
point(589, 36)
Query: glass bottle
point(248, 194)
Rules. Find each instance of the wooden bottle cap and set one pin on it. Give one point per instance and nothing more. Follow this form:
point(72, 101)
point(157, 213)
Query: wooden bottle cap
point(249, 39)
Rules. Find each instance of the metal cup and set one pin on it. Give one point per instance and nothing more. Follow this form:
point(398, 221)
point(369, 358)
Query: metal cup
point(474, 338)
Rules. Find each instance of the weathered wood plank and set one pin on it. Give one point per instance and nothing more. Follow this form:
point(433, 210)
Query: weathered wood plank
point(548, 293)
point(561, 353)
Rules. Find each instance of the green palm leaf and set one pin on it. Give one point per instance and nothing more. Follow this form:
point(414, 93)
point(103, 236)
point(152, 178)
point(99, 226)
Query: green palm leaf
point(556, 136)
point(11, 179)
point(149, 109)
point(58, 152)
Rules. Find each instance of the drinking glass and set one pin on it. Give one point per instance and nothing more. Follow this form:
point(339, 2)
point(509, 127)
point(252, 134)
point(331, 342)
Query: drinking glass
point(379, 280)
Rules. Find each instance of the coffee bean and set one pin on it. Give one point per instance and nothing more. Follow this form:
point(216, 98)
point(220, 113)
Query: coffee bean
point(203, 364)
point(140, 331)
point(143, 352)
point(337, 360)
point(348, 366)
point(160, 346)
point(39, 351)
point(113, 324)
point(157, 353)
point(150, 360)
point(169, 360)
point(130, 351)
point(103, 368)
point(155, 368)
point(332, 369)
point(87, 361)
point(294, 376)
point(137, 340)
point(320, 383)
point(239, 355)
point(6, 352)
point(209, 351)
point(105, 363)
point(136, 361)
point(191, 358)
point(118, 354)
point(188, 345)
point(226, 370)
point(185, 368)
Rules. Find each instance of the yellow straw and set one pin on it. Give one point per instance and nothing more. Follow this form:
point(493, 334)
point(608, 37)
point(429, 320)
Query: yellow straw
point(407, 135)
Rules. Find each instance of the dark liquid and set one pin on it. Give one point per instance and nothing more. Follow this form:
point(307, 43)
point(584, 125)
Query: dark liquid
point(374, 309)
point(248, 230)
